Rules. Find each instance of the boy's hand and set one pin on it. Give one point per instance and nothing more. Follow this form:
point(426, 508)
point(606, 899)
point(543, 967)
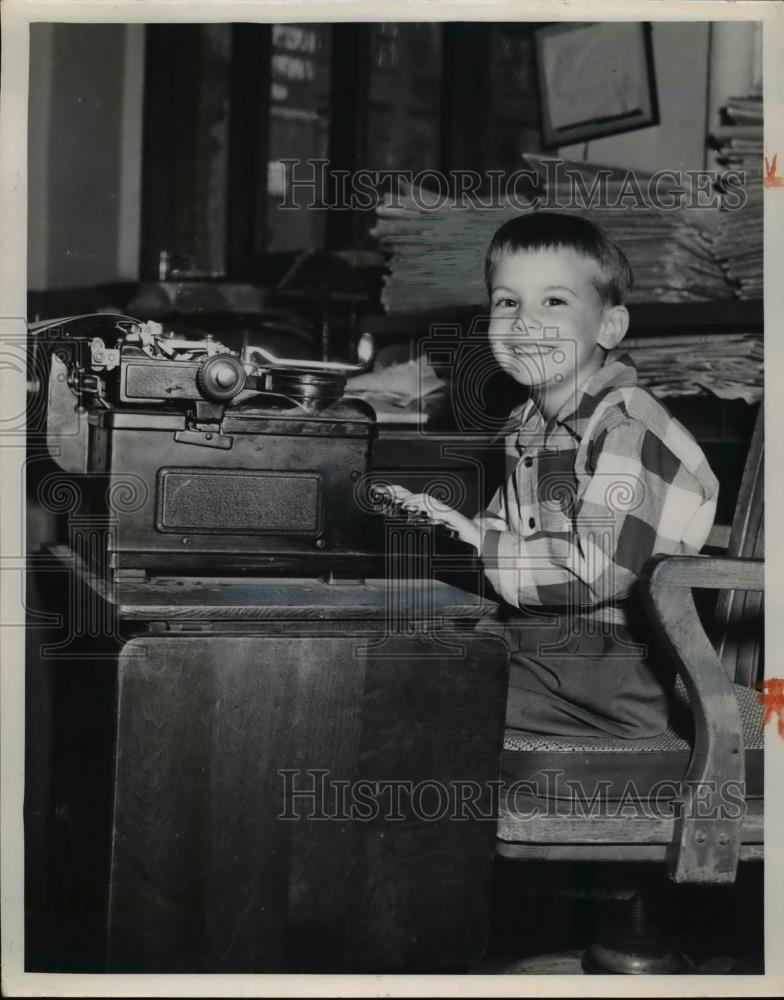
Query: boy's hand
point(396, 493)
point(441, 513)
point(438, 512)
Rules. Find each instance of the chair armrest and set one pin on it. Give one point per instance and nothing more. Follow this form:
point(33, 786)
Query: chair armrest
point(719, 537)
point(703, 572)
point(706, 845)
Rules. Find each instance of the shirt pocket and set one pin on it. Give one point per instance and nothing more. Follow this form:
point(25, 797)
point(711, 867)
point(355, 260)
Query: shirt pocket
point(556, 491)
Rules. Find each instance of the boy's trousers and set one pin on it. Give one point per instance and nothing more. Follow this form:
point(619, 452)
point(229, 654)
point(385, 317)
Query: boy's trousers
point(572, 675)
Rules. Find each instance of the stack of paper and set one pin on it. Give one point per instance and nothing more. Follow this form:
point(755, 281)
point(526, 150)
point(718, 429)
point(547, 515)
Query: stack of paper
point(739, 138)
point(728, 365)
point(739, 240)
point(669, 249)
point(437, 255)
point(400, 393)
point(739, 244)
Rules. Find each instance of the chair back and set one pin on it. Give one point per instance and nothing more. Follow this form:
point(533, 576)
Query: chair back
point(739, 614)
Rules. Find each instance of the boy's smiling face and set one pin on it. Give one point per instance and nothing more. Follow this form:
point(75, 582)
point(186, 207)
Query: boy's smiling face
point(548, 323)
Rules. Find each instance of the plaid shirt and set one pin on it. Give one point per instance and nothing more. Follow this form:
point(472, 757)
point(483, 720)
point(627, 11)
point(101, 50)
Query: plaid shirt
point(593, 493)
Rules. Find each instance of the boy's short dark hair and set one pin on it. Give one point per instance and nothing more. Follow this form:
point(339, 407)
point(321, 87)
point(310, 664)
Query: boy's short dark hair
point(556, 230)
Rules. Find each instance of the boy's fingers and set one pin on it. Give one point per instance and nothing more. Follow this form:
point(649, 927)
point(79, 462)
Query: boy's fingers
point(436, 514)
point(390, 492)
point(423, 502)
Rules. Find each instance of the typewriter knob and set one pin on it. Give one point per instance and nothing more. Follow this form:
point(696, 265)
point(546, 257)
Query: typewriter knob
point(221, 378)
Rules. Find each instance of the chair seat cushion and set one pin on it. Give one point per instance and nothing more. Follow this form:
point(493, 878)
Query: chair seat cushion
point(652, 763)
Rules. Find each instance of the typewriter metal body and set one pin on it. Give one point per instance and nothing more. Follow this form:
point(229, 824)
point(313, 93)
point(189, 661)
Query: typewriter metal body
point(199, 458)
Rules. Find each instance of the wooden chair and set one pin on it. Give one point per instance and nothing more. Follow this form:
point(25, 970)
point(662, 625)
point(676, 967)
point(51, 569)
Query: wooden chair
point(708, 812)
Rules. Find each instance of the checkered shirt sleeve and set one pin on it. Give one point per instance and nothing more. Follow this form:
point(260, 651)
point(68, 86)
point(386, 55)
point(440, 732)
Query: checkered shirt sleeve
point(645, 493)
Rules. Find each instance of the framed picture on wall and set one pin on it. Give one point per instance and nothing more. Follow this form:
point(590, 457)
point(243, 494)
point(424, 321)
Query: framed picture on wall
point(595, 79)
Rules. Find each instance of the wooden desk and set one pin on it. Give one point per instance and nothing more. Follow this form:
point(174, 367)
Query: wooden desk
point(172, 840)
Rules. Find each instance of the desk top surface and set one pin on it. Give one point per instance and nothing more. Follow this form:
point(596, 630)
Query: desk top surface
point(244, 598)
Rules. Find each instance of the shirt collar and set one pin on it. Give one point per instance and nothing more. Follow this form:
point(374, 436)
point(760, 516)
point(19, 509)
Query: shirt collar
point(617, 371)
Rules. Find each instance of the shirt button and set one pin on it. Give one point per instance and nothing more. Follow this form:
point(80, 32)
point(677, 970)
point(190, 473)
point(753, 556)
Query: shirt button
point(528, 461)
point(531, 522)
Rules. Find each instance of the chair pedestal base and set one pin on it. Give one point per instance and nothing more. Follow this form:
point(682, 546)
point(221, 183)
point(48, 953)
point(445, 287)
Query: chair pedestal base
point(662, 957)
point(632, 943)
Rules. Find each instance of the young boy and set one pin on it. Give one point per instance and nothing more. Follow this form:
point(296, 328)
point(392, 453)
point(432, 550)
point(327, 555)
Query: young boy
point(599, 477)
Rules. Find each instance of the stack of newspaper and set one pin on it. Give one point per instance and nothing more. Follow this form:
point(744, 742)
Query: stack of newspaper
point(729, 366)
point(436, 255)
point(669, 248)
point(738, 140)
point(738, 241)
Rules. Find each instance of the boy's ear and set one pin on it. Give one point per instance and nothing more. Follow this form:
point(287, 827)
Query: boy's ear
point(614, 327)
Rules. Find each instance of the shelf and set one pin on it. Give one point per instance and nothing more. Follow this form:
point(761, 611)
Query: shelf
point(715, 316)
point(660, 318)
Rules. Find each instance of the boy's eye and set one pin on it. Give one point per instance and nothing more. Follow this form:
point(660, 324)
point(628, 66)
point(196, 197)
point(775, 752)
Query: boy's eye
point(505, 303)
point(554, 300)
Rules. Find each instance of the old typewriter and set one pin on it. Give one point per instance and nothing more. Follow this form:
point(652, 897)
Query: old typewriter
point(200, 458)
